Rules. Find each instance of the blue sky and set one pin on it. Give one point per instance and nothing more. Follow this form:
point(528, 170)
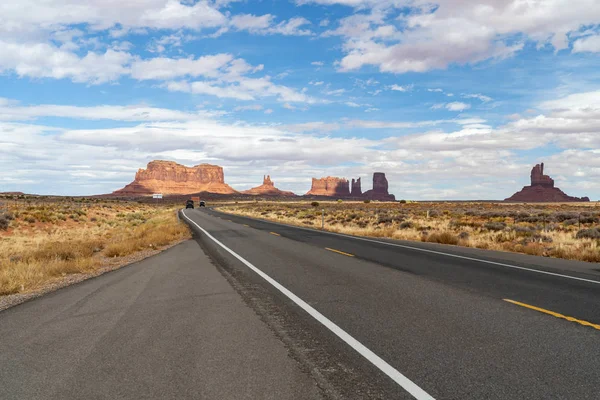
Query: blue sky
point(453, 99)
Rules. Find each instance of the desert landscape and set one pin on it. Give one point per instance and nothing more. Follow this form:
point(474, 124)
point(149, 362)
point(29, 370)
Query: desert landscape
point(562, 230)
point(46, 240)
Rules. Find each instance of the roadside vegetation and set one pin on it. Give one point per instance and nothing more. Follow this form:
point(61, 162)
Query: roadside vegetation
point(42, 241)
point(570, 231)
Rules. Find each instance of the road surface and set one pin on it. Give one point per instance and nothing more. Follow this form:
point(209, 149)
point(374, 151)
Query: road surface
point(439, 316)
point(169, 327)
point(300, 314)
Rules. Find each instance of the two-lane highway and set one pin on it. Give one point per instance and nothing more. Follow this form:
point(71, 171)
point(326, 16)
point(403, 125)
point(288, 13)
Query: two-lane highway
point(438, 318)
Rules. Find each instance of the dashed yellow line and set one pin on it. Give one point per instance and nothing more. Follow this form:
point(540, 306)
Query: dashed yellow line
point(273, 233)
point(247, 225)
point(554, 314)
point(339, 252)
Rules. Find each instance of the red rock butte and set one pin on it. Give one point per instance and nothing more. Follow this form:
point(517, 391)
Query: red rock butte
point(330, 187)
point(380, 189)
point(268, 189)
point(340, 187)
point(170, 178)
point(542, 190)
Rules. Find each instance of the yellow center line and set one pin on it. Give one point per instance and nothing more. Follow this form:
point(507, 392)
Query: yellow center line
point(339, 252)
point(247, 225)
point(554, 314)
point(273, 233)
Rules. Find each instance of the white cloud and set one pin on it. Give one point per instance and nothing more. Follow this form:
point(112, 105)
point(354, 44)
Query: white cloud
point(41, 60)
point(481, 160)
point(252, 107)
point(435, 90)
point(457, 106)
point(453, 106)
point(398, 88)
point(316, 83)
point(335, 92)
point(481, 97)
point(168, 68)
point(12, 111)
point(456, 31)
point(252, 23)
point(312, 127)
point(352, 104)
point(33, 18)
point(264, 25)
point(317, 63)
point(587, 44)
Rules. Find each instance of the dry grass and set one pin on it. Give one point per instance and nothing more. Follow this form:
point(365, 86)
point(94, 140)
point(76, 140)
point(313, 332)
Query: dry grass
point(49, 240)
point(566, 231)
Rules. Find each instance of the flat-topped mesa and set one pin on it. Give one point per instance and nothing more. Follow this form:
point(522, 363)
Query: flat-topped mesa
point(356, 190)
point(380, 189)
point(268, 189)
point(539, 179)
point(329, 186)
point(542, 190)
point(170, 178)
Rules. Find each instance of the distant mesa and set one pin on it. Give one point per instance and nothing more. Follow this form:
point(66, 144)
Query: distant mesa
point(330, 187)
point(12, 194)
point(170, 178)
point(542, 190)
point(341, 188)
point(268, 189)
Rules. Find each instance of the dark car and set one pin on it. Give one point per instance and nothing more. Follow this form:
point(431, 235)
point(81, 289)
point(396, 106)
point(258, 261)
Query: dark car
point(189, 204)
point(202, 204)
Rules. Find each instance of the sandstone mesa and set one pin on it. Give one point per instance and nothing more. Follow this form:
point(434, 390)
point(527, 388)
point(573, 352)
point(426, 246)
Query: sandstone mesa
point(168, 177)
point(542, 190)
point(340, 187)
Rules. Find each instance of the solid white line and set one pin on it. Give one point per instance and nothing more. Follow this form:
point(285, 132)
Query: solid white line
point(438, 252)
point(377, 361)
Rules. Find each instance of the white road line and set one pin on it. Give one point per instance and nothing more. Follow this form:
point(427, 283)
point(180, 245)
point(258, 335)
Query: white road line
point(439, 253)
point(377, 361)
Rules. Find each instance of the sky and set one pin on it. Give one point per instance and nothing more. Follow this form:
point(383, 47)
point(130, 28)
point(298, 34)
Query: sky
point(452, 99)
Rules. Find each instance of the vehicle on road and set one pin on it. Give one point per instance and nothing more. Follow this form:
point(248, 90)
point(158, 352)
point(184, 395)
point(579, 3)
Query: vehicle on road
point(189, 204)
point(202, 204)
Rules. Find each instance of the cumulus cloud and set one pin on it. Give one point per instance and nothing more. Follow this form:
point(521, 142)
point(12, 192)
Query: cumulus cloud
point(42, 60)
point(168, 68)
point(589, 44)
point(482, 160)
point(453, 106)
point(398, 88)
point(433, 36)
point(265, 25)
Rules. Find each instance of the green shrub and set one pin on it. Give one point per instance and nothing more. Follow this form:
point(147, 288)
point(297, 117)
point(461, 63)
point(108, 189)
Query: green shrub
point(315, 204)
point(593, 233)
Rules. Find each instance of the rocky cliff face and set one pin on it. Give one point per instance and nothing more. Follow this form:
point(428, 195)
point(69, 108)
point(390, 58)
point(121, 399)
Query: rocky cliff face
point(356, 190)
point(329, 186)
point(169, 178)
point(268, 189)
point(380, 189)
point(542, 190)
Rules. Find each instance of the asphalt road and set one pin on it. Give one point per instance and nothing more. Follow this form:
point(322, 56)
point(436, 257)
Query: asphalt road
point(169, 327)
point(438, 316)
